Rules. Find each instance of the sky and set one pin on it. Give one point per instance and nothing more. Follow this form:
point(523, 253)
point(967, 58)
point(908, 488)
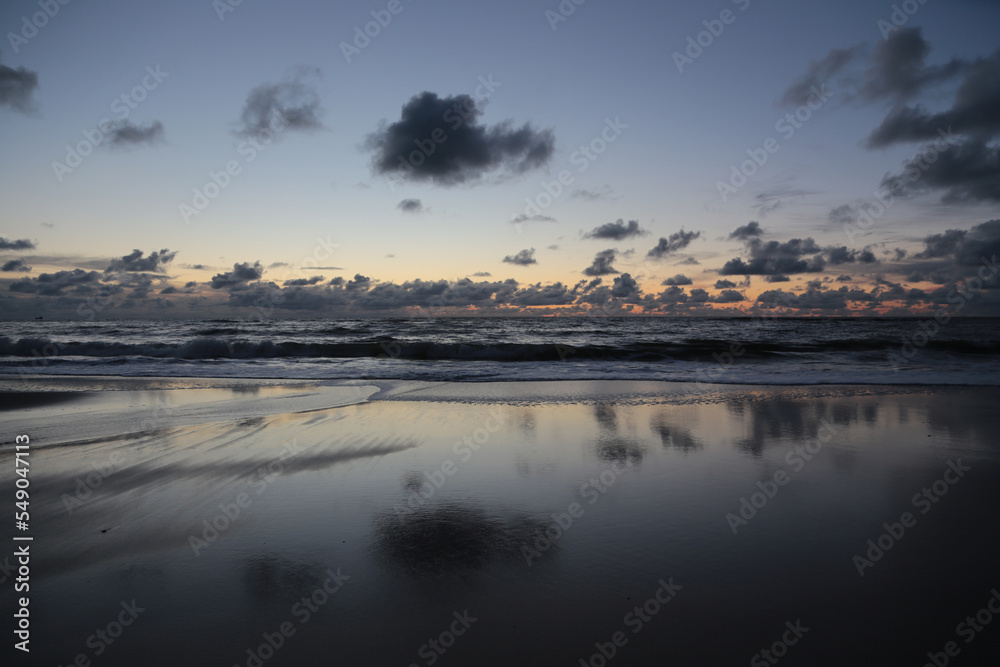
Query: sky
point(309, 159)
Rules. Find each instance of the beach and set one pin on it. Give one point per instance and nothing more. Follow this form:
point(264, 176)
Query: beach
point(278, 522)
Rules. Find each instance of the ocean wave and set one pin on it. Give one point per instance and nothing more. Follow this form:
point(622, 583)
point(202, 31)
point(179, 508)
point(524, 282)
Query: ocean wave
point(215, 347)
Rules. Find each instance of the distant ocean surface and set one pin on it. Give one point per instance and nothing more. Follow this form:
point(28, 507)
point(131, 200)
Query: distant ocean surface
point(739, 351)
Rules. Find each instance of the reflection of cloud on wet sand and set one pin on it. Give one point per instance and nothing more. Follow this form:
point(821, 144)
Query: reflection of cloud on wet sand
point(450, 537)
point(673, 436)
point(268, 577)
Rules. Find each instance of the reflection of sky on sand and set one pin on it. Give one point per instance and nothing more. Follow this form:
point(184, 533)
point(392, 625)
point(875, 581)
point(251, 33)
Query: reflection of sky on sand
point(661, 476)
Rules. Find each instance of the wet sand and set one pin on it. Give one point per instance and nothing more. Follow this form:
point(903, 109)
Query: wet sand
point(376, 523)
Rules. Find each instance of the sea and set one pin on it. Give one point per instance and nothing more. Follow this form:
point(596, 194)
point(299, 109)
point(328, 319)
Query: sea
point(782, 351)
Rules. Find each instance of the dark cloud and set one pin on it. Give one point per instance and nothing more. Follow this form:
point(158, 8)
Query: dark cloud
point(17, 87)
point(602, 264)
point(556, 294)
point(679, 279)
point(440, 139)
point(292, 104)
point(482, 274)
point(748, 231)
point(777, 259)
point(523, 258)
point(15, 265)
point(411, 206)
point(843, 215)
point(818, 73)
point(961, 162)
point(124, 134)
point(16, 244)
point(729, 296)
point(967, 173)
point(241, 274)
point(844, 278)
point(982, 241)
point(780, 278)
point(593, 194)
point(689, 261)
point(843, 255)
point(898, 71)
point(297, 282)
point(618, 230)
point(524, 217)
point(136, 261)
point(725, 284)
point(673, 243)
point(624, 287)
point(942, 245)
point(975, 110)
point(76, 281)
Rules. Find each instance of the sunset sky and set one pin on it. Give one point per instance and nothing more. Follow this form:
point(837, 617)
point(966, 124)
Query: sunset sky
point(827, 158)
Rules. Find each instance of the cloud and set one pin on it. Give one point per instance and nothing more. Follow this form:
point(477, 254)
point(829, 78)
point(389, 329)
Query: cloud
point(729, 296)
point(748, 231)
point(672, 244)
point(777, 259)
point(523, 258)
point(817, 74)
point(76, 281)
point(843, 215)
point(556, 294)
point(967, 173)
point(843, 255)
point(679, 279)
point(689, 261)
point(618, 230)
point(898, 71)
point(523, 217)
point(124, 133)
point(440, 139)
point(291, 104)
point(482, 274)
point(962, 162)
point(724, 284)
point(593, 194)
point(17, 88)
point(975, 110)
point(241, 274)
point(602, 264)
point(135, 261)
point(411, 206)
point(15, 265)
point(16, 244)
point(312, 280)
